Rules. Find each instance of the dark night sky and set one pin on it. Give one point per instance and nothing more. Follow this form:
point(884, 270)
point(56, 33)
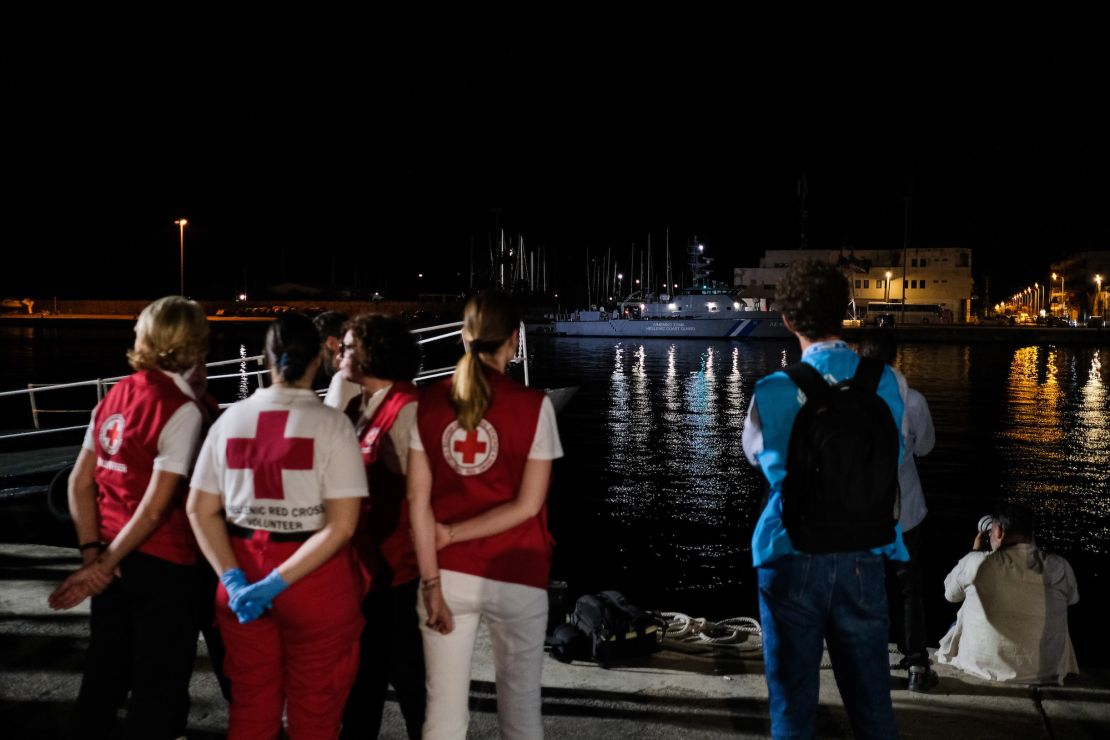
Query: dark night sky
point(382, 143)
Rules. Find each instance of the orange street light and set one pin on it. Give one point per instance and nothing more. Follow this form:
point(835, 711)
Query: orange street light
point(181, 222)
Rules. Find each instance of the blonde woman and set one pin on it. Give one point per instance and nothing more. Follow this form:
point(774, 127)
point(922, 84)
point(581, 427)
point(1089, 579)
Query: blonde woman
point(479, 469)
point(127, 498)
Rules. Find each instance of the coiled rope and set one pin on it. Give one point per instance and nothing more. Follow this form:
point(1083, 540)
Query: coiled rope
point(741, 633)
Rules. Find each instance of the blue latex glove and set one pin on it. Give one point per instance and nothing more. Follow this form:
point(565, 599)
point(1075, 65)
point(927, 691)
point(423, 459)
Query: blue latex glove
point(235, 582)
point(260, 595)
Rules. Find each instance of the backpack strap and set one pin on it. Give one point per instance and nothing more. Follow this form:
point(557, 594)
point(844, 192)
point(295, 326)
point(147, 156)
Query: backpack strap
point(868, 374)
point(806, 377)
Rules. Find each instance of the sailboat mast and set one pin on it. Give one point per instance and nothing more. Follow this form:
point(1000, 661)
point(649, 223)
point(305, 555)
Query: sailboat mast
point(501, 261)
point(669, 281)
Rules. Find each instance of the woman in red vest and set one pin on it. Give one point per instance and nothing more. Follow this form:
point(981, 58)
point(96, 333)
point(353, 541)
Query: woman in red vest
point(479, 469)
point(380, 355)
point(274, 502)
point(127, 498)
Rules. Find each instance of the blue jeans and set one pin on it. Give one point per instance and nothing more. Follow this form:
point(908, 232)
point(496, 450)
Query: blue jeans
point(840, 597)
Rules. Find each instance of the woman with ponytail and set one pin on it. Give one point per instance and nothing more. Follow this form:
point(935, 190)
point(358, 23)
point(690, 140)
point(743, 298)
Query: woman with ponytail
point(479, 469)
point(275, 500)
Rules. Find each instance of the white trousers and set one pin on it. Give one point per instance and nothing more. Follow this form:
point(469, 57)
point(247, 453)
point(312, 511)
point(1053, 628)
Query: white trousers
point(516, 617)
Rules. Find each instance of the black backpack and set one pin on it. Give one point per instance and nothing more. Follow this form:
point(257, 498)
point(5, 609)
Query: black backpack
point(615, 629)
point(841, 488)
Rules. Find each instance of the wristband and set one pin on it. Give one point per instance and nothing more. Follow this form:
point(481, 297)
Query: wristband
point(87, 545)
point(427, 584)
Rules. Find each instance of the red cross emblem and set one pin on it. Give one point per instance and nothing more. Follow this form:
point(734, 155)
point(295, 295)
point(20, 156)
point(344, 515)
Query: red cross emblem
point(268, 453)
point(470, 452)
point(111, 433)
point(469, 446)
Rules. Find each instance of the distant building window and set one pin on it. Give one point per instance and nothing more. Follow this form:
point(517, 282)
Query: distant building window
point(768, 286)
point(858, 284)
point(879, 283)
point(924, 263)
point(865, 283)
point(913, 283)
point(913, 262)
point(923, 285)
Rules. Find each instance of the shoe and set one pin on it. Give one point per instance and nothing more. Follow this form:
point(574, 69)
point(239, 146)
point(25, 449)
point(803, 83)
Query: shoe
point(922, 679)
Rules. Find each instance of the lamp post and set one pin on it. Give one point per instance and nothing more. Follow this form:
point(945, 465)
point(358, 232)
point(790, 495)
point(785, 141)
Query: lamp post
point(886, 296)
point(1063, 298)
point(181, 228)
point(1098, 296)
point(1038, 302)
point(620, 284)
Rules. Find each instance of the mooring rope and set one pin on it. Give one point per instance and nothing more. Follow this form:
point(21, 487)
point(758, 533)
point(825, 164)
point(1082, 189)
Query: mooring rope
point(742, 633)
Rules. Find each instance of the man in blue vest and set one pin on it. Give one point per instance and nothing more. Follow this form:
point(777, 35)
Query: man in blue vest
point(809, 597)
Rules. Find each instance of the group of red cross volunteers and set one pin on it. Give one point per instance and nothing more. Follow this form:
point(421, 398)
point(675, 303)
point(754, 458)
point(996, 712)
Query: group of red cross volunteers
point(351, 544)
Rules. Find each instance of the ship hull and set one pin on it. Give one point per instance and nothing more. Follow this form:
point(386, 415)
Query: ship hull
point(739, 326)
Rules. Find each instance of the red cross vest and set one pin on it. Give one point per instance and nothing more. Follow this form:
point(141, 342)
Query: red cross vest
point(382, 540)
point(475, 471)
point(128, 423)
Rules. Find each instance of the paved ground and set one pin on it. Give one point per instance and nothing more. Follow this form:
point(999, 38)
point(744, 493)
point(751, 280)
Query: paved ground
point(698, 693)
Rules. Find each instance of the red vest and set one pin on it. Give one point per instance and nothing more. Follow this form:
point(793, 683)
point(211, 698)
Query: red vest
point(475, 471)
point(382, 540)
point(128, 423)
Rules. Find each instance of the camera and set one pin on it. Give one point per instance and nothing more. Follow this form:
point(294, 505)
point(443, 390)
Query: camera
point(985, 524)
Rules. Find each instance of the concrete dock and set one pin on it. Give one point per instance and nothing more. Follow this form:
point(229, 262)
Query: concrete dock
point(693, 691)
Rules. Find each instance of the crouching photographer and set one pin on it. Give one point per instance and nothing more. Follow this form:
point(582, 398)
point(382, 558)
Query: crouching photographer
point(1013, 623)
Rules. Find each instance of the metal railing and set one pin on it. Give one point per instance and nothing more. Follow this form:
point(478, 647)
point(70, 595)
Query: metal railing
point(102, 385)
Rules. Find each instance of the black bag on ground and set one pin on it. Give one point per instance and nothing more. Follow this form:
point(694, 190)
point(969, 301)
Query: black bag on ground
point(614, 629)
point(841, 488)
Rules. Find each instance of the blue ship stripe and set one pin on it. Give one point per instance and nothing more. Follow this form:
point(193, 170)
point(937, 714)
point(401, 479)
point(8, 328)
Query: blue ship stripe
point(742, 328)
point(749, 327)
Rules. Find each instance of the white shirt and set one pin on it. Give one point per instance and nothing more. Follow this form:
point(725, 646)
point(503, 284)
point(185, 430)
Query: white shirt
point(1013, 625)
point(919, 437)
point(340, 392)
point(178, 440)
point(546, 444)
point(321, 460)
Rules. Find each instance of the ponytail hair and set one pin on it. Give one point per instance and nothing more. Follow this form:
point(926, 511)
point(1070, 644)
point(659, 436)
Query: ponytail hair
point(292, 343)
point(489, 320)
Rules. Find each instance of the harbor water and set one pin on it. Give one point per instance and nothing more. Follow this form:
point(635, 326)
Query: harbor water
point(656, 499)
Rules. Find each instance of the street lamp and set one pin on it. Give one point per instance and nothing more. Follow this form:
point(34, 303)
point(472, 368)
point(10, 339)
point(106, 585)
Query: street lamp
point(886, 297)
point(1098, 282)
point(181, 228)
point(620, 283)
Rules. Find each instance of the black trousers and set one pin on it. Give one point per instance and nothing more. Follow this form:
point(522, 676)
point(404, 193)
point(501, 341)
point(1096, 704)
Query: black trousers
point(907, 608)
point(143, 641)
point(392, 653)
